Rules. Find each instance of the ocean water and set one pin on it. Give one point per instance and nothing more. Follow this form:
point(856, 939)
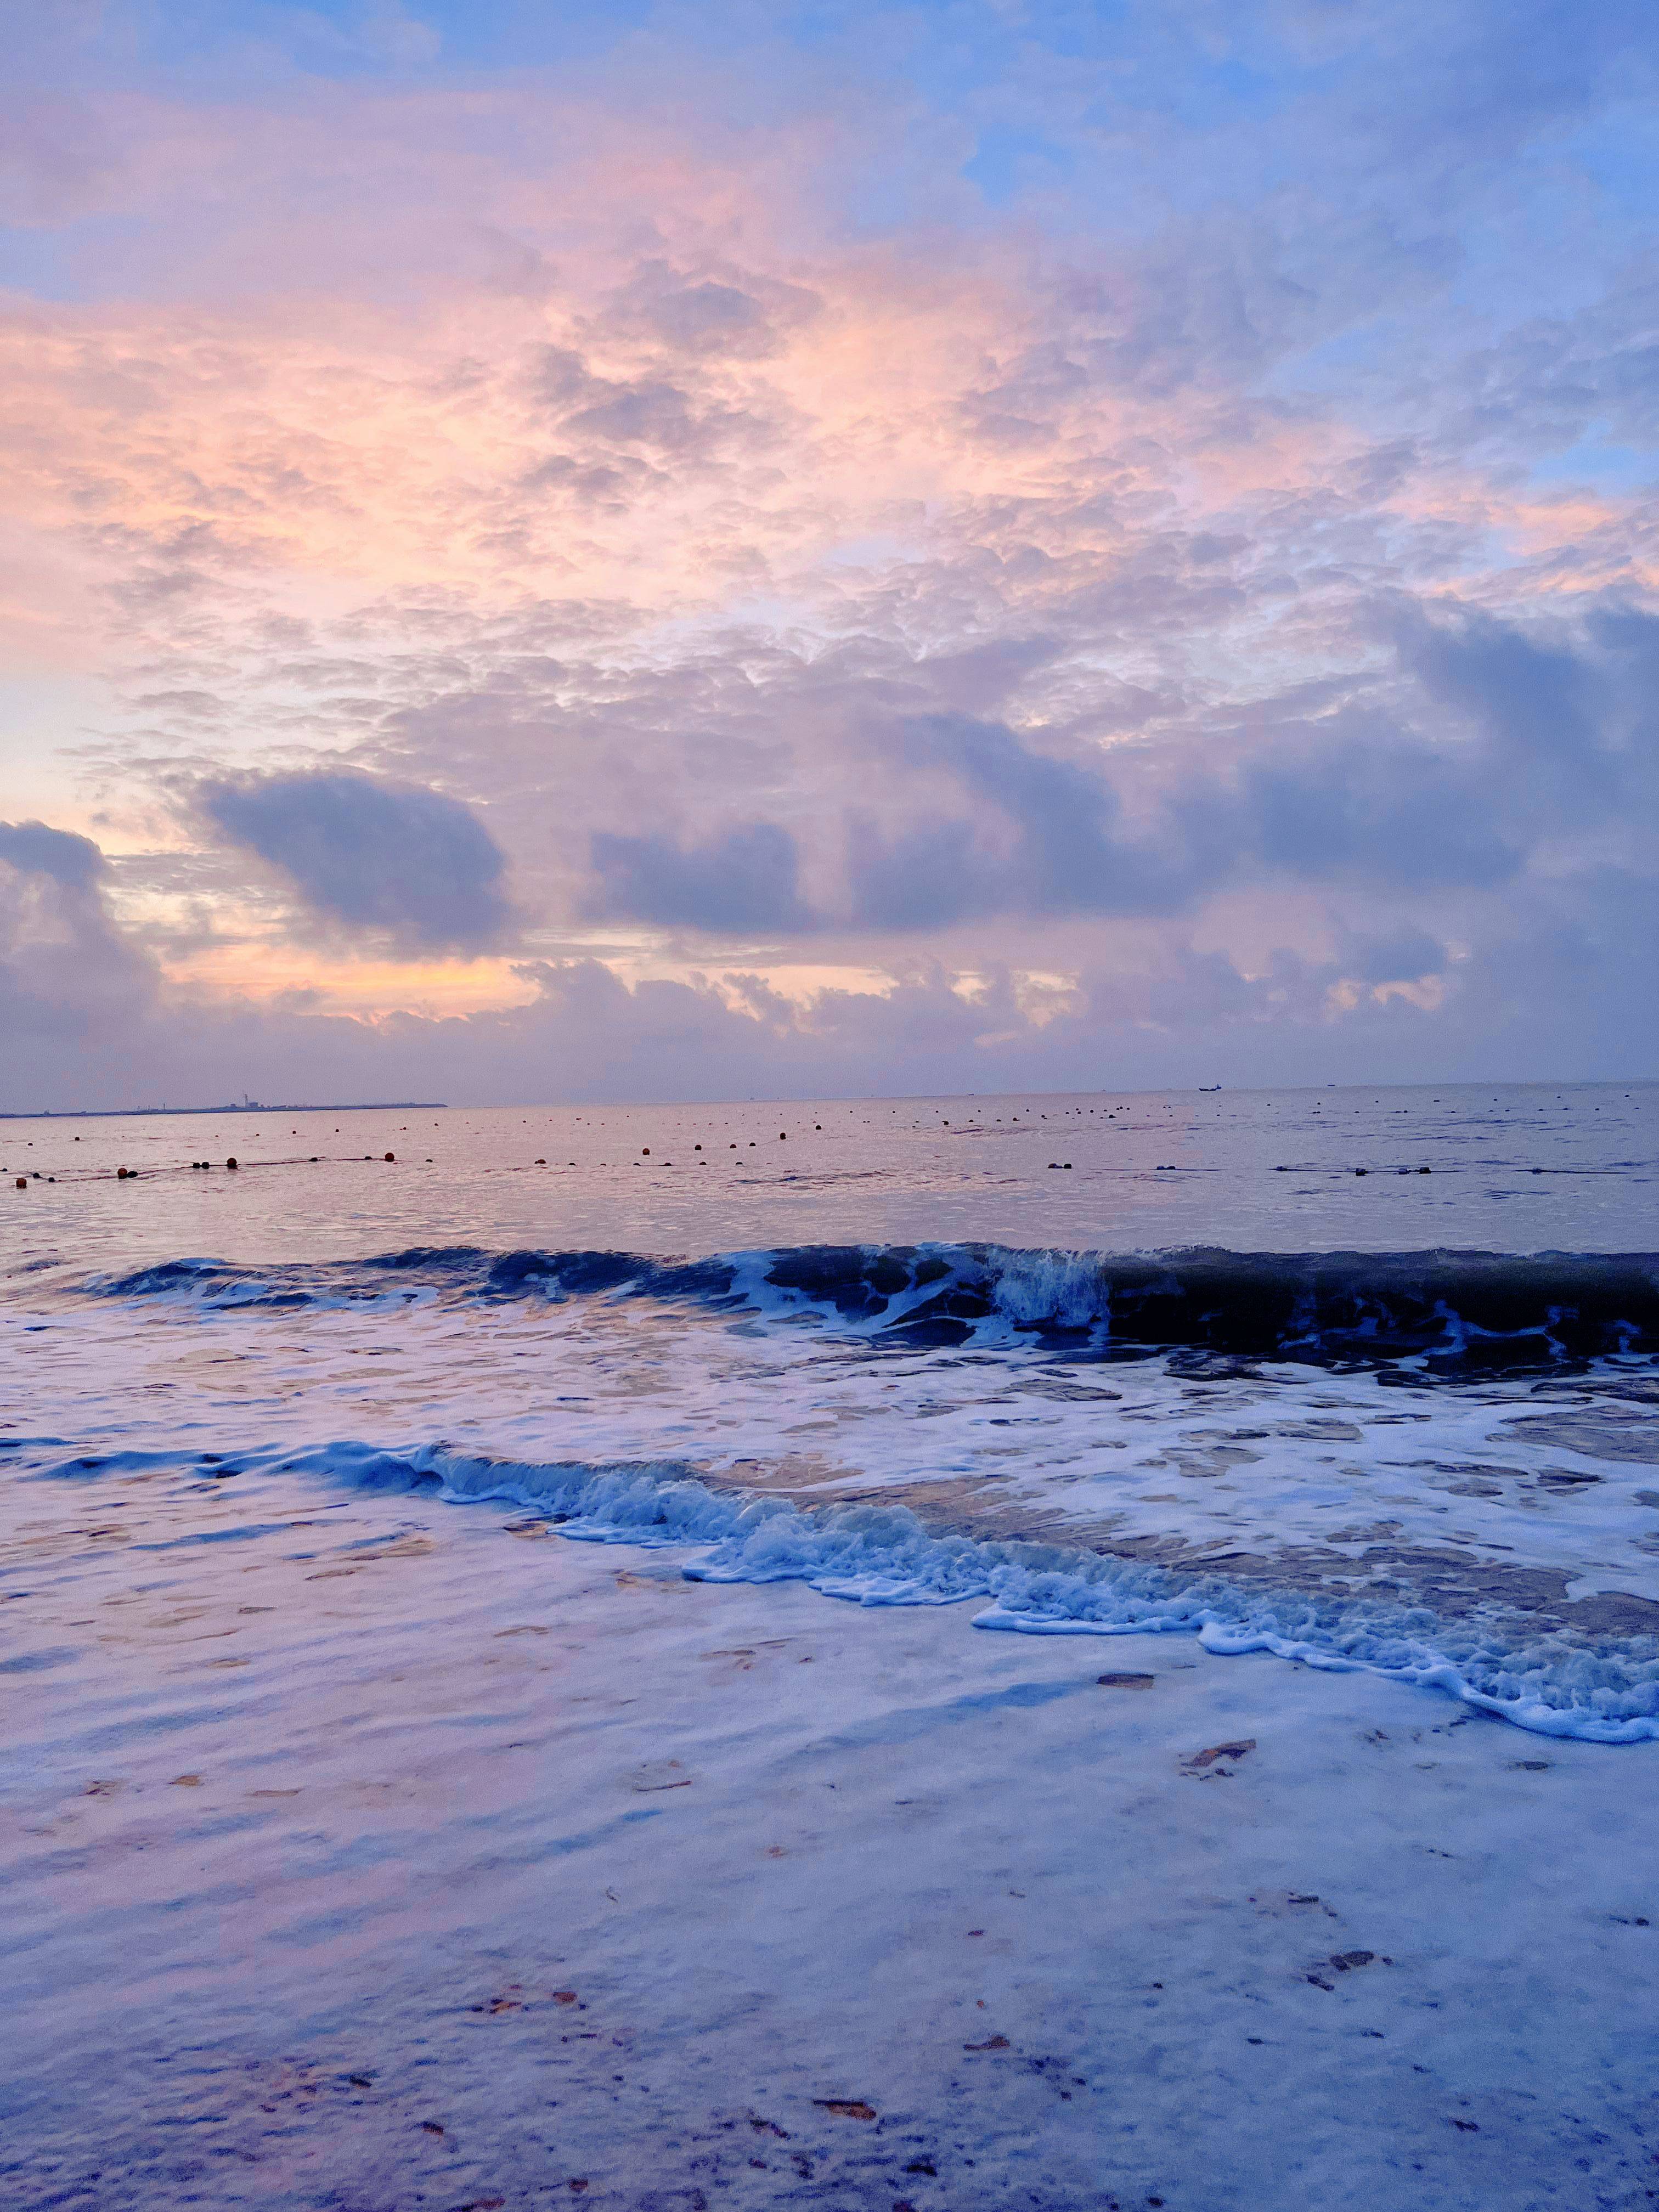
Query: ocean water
point(1366, 1379)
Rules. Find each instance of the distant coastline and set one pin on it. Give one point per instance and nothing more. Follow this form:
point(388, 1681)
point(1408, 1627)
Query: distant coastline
point(252, 1106)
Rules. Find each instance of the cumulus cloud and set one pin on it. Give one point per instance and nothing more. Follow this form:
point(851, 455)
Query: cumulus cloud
point(1047, 842)
point(33, 848)
point(730, 312)
point(410, 867)
point(1364, 806)
point(1560, 710)
point(72, 986)
point(746, 880)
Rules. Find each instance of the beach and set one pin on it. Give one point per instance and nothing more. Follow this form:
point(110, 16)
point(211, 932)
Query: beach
point(508, 1869)
point(585, 1710)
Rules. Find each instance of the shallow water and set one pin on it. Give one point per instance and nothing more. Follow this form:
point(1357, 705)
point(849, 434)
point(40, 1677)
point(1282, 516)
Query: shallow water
point(367, 1852)
point(1423, 1438)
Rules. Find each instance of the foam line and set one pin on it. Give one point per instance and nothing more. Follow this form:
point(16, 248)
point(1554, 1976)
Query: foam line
point(1600, 1691)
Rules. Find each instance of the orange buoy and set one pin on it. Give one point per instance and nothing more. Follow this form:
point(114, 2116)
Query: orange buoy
point(392, 1156)
point(22, 1182)
point(231, 1161)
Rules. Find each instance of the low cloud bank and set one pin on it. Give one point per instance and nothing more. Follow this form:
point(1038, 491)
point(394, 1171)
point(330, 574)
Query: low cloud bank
point(407, 866)
point(91, 1022)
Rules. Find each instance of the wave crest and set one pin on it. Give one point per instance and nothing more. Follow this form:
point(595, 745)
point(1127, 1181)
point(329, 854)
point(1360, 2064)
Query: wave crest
point(1458, 1310)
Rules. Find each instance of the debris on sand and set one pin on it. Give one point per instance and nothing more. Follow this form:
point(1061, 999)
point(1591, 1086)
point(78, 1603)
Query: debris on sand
point(1200, 1760)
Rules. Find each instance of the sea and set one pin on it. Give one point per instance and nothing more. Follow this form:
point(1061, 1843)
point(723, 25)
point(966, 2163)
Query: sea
point(1363, 1378)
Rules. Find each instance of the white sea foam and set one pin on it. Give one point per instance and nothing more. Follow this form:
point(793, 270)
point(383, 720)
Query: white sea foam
point(892, 1427)
point(872, 1555)
point(1261, 1458)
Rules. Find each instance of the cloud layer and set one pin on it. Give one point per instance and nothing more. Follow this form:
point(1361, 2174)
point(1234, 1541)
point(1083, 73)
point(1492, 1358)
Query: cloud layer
point(811, 554)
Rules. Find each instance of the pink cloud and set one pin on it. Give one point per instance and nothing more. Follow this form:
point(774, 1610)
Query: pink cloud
point(574, 455)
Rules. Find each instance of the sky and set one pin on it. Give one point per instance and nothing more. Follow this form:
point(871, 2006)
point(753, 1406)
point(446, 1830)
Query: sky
point(632, 551)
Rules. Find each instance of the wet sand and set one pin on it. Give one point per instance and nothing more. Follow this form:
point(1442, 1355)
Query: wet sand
point(393, 1853)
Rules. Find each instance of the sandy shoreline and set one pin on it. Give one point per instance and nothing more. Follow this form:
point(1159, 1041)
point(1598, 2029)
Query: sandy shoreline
point(512, 1865)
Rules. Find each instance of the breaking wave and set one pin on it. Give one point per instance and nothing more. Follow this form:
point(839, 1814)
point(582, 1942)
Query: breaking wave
point(1602, 1690)
point(1453, 1310)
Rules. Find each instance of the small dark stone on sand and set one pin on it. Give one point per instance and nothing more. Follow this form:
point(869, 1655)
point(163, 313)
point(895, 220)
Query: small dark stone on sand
point(1203, 1759)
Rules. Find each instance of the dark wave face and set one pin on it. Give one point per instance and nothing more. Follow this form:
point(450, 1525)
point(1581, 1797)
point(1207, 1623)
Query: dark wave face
point(1449, 1313)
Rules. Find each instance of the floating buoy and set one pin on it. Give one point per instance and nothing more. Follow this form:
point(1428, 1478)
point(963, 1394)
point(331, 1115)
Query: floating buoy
point(231, 1161)
point(120, 1174)
point(540, 1163)
point(697, 1148)
point(1426, 1170)
point(22, 1182)
point(392, 1156)
point(1362, 1171)
point(783, 1136)
point(645, 1151)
